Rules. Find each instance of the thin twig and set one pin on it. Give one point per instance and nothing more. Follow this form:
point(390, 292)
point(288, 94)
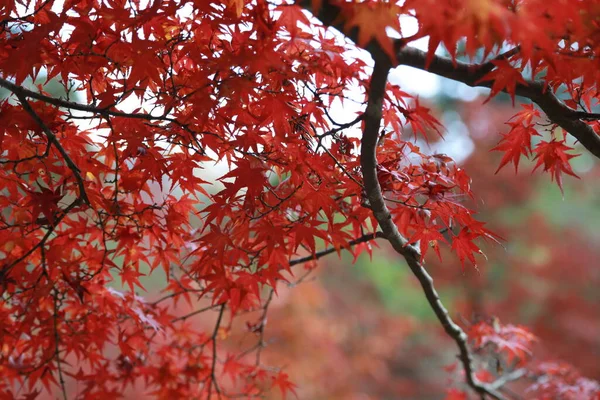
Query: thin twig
point(42, 242)
point(54, 140)
point(319, 254)
point(509, 377)
point(22, 92)
point(368, 158)
point(196, 312)
point(61, 378)
point(213, 374)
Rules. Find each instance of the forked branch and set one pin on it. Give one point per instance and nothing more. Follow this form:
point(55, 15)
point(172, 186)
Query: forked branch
point(377, 204)
point(328, 14)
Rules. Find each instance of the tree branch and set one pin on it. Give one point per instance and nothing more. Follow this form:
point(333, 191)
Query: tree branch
point(54, 140)
point(399, 243)
point(328, 13)
point(364, 238)
point(213, 367)
point(536, 91)
point(509, 377)
point(470, 74)
point(22, 92)
point(55, 317)
point(487, 67)
point(6, 269)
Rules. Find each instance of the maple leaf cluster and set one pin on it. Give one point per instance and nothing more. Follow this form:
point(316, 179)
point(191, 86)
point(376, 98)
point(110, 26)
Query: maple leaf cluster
point(99, 194)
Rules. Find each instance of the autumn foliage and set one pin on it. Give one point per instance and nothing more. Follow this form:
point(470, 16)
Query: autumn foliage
point(196, 142)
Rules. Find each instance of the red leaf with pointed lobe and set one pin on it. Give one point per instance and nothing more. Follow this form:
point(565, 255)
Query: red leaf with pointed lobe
point(428, 236)
point(463, 246)
point(504, 77)
point(363, 15)
point(516, 143)
point(553, 157)
point(282, 381)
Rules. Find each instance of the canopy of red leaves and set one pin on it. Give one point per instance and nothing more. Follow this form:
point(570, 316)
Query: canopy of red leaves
point(195, 142)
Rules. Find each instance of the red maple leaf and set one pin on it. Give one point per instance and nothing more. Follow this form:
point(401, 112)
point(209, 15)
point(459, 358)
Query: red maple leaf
point(282, 381)
point(428, 236)
point(526, 115)
point(372, 19)
point(552, 155)
point(463, 246)
point(131, 277)
point(515, 143)
point(504, 77)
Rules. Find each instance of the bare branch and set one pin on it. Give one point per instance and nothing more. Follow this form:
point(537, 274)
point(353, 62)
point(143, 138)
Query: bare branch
point(196, 312)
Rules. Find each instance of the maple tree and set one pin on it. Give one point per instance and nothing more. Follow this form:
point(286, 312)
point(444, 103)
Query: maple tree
point(108, 183)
